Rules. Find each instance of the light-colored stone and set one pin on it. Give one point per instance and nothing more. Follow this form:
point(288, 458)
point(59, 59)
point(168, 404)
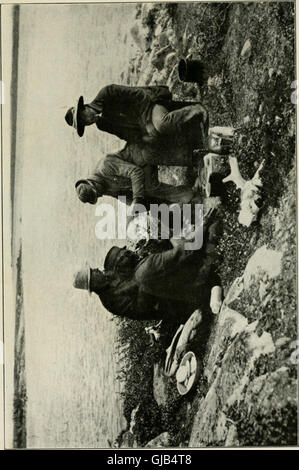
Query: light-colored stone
point(282, 341)
point(215, 81)
point(246, 50)
point(234, 291)
point(128, 440)
point(163, 440)
point(170, 61)
point(232, 437)
point(263, 261)
point(263, 290)
point(228, 385)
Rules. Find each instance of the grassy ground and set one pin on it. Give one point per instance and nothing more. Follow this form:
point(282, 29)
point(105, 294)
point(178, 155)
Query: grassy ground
point(254, 95)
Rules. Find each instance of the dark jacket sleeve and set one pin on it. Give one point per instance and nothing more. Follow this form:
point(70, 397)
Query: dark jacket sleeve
point(128, 133)
point(119, 95)
point(159, 264)
point(122, 95)
point(115, 167)
point(105, 125)
point(120, 298)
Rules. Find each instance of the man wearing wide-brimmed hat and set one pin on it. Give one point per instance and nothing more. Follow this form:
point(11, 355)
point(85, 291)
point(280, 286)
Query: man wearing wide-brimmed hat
point(160, 285)
point(139, 113)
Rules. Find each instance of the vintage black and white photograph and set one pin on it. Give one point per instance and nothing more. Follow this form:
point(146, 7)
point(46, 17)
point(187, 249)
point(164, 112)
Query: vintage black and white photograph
point(149, 206)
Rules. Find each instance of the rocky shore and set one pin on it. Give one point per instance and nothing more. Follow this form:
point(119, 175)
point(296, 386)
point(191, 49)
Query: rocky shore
point(246, 393)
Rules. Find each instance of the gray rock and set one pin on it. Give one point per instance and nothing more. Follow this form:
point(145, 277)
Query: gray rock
point(282, 341)
point(127, 441)
point(160, 383)
point(170, 61)
point(234, 291)
point(162, 38)
point(263, 289)
point(190, 90)
point(158, 57)
point(162, 440)
point(232, 437)
point(227, 384)
point(230, 323)
point(269, 403)
point(246, 51)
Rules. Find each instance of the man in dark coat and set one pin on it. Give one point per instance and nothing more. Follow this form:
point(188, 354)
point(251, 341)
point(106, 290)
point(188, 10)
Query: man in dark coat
point(140, 290)
point(116, 177)
point(139, 113)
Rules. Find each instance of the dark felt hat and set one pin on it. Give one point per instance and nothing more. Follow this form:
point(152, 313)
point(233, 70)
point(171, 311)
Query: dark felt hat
point(113, 256)
point(72, 117)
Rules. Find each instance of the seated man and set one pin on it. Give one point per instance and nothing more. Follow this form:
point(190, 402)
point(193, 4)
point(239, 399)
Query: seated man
point(141, 290)
point(138, 113)
point(116, 177)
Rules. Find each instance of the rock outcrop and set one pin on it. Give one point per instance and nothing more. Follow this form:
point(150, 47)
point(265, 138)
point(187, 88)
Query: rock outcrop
point(241, 406)
point(162, 440)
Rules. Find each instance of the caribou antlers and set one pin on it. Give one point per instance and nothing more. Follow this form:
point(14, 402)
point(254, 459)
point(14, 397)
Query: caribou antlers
point(235, 175)
point(250, 191)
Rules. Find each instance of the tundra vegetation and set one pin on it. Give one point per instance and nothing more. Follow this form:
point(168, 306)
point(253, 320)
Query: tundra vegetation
point(248, 54)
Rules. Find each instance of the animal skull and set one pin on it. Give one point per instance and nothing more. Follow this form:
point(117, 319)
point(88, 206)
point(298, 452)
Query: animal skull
point(250, 192)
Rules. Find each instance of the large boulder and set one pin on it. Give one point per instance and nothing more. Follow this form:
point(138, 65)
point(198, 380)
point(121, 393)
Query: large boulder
point(247, 403)
point(267, 413)
point(227, 384)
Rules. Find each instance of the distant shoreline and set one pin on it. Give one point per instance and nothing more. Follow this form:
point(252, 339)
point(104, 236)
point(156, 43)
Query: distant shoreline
point(20, 390)
point(14, 101)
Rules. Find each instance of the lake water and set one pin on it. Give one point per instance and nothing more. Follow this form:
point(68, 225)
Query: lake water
point(65, 51)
